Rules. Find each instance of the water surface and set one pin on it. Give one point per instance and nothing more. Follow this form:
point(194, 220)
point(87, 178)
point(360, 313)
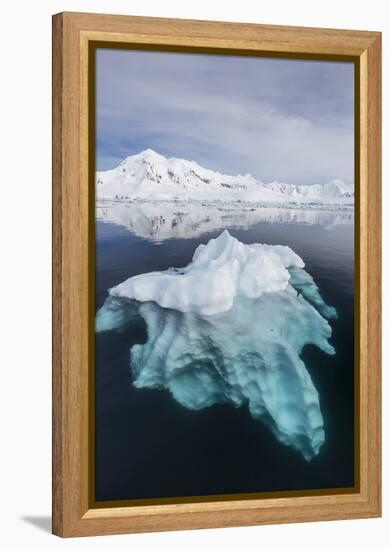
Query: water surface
point(149, 446)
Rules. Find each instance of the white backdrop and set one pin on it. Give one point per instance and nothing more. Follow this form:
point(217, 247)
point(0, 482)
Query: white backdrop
point(25, 218)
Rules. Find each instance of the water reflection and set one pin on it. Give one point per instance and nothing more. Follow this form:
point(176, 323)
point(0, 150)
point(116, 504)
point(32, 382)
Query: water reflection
point(157, 221)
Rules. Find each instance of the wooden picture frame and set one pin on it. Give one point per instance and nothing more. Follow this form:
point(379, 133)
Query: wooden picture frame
point(73, 34)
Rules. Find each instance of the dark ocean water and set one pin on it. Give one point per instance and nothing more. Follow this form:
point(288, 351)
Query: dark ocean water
point(149, 446)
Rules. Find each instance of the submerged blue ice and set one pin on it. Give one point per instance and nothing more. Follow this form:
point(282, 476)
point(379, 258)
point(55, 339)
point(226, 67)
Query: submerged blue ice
point(243, 347)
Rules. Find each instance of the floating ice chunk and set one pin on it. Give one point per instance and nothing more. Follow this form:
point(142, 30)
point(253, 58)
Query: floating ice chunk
point(244, 354)
point(220, 270)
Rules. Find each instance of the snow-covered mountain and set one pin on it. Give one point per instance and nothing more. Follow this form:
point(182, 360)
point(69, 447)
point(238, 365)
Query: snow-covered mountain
point(150, 176)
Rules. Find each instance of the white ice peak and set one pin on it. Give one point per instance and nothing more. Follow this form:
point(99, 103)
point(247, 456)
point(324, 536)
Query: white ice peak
point(150, 176)
point(220, 270)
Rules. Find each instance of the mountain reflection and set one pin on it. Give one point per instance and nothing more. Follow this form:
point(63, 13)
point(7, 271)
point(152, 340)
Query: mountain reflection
point(158, 222)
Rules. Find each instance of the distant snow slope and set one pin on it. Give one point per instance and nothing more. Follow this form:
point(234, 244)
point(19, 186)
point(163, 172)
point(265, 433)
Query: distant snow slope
point(150, 176)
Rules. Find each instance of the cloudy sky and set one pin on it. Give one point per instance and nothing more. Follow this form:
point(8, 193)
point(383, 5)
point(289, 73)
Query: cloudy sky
point(284, 120)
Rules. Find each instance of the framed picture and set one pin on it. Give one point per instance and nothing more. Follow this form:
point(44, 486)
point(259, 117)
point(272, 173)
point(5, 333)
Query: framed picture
point(216, 240)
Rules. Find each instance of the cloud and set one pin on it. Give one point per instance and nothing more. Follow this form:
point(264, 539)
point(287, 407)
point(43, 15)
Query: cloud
point(278, 119)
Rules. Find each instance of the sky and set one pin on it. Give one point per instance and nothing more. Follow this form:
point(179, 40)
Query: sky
point(278, 119)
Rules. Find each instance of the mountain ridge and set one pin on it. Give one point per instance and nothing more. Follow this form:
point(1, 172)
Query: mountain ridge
point(152, 177)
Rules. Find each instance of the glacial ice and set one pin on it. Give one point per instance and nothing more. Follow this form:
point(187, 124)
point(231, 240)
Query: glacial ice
point(230, 328)
point(219, 271)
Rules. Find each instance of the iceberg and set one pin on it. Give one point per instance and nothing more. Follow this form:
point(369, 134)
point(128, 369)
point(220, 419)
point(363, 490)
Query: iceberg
point(220, 270)
point(230, 328)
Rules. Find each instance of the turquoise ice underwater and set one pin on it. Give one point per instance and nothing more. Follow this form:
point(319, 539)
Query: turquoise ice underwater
point(230, 328)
